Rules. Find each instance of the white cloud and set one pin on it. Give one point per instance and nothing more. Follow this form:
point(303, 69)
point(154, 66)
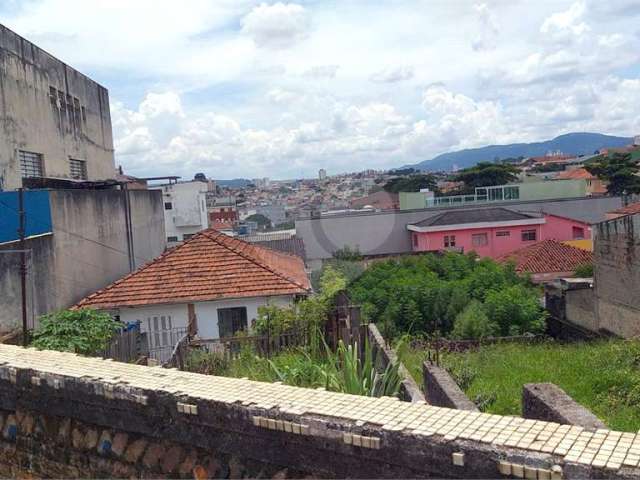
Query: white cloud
point(392, 75)
point(567, 23)
point(277, 26)
point(244, 88)
point(488, 26)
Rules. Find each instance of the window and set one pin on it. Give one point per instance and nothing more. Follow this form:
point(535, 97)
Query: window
point(504, 233)
point(479, 239)
point(30, 164)
point(449, 241)
point(168, 205)
point(528, 235)
point(187, 236)
point(172, 239)
point(159, 331)
point(578, 233)
point(78, 169)
point(231, 321)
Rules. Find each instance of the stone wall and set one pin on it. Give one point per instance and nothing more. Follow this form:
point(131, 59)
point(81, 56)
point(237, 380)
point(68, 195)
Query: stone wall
point(383, 355)
point(442, 390)
point(548, 402)
point(65, 415)
point(617, 275)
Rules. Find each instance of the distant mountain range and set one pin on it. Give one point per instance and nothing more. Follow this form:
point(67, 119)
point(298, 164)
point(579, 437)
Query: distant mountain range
point(570, 143)
point(234, 183)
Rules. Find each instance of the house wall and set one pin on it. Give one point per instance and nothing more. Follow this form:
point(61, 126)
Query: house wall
point(617, 275)
point(87, 250)
point(188, 212)
point(206, 313)
point(555, 228)
point(33, 121)
point(385, 233)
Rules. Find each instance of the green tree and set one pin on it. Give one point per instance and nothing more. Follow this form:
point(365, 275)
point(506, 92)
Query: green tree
point(486, 174)
point(411, 183)
point(83, 331)
point(620, 171)
point(348, 253)
point(516, 310)
point(584, 271)
point(473, 322)
point(261, 220)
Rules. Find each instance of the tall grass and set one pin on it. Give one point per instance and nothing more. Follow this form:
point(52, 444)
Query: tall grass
point(341, 371)
point(602, 376)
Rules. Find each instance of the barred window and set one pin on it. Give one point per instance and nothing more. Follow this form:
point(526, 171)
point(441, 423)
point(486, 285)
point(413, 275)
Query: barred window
point(479, 239)
point(528, 235)
point(30, 164)
point(78, 169)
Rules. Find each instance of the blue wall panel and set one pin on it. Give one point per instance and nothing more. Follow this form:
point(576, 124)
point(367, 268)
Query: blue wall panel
point(37, 209)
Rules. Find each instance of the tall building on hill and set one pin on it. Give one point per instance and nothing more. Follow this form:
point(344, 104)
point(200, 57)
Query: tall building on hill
point(55, 121)
point(322, 174)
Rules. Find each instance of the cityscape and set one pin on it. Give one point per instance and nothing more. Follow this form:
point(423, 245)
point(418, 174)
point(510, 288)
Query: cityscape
point(197, 281)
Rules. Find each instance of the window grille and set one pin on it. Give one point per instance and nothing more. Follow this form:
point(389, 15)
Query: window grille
point(30, 164)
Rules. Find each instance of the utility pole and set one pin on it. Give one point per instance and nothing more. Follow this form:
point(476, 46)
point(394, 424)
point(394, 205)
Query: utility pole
point(23, 263)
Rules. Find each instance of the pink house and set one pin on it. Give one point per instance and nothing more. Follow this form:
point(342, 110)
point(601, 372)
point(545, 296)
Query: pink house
point(492, 232)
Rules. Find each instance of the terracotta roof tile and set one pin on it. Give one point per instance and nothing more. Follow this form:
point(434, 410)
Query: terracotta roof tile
point(548, 256)
point(576, 174)
point(209, 266)
point(630, 209)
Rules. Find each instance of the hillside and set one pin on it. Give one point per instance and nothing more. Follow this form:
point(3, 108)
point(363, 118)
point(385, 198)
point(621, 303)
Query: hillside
point(570, 143)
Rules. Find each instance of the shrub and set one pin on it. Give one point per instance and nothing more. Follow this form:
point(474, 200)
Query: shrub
point(473, 322)
point(83, 331)
point(516, 310)
point(584, 271)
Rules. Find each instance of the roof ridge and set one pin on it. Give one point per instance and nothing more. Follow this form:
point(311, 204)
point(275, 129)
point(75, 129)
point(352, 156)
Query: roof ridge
point(250, 257)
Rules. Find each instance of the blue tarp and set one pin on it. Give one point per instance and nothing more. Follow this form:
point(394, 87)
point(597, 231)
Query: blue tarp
point(37, 209)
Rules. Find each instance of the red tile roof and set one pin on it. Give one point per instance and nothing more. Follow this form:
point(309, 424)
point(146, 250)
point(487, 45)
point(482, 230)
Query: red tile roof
point(548, 256)
point(209, 266)
point(630, 209)
point(576, 174)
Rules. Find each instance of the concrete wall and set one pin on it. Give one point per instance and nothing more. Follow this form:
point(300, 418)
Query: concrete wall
point(617, 275)
point(386, 232)
point(442, 390)
point(383, 355)
point(87, 250)
point(31, 118)
point(548, 402)
point(64, 415)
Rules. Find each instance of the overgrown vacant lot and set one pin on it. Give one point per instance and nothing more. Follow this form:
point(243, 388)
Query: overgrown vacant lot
point(602, 376)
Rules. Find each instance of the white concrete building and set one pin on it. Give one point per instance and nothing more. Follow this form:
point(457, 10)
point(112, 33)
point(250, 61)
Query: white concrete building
point(210, 286)
point(185, 209)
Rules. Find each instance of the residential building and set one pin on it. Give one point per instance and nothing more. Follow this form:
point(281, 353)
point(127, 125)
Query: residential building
point(594, 185)
point(529, 191)
point(275, 213)
point(322, 174)
point(617, 275)
point(379, 201)
point(211, 286)
point(185, 209)
point(492, 232)
point(636, 141)
point(548, 260)
point(222, 211)
point(385, 232)
point(56, 120)
point(78, 241)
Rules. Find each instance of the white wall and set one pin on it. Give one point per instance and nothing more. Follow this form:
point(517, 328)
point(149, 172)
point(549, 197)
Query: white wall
point(188, 214)
point(206, 313)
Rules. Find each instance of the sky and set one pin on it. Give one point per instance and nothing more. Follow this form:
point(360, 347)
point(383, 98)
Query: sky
point(237, 88)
